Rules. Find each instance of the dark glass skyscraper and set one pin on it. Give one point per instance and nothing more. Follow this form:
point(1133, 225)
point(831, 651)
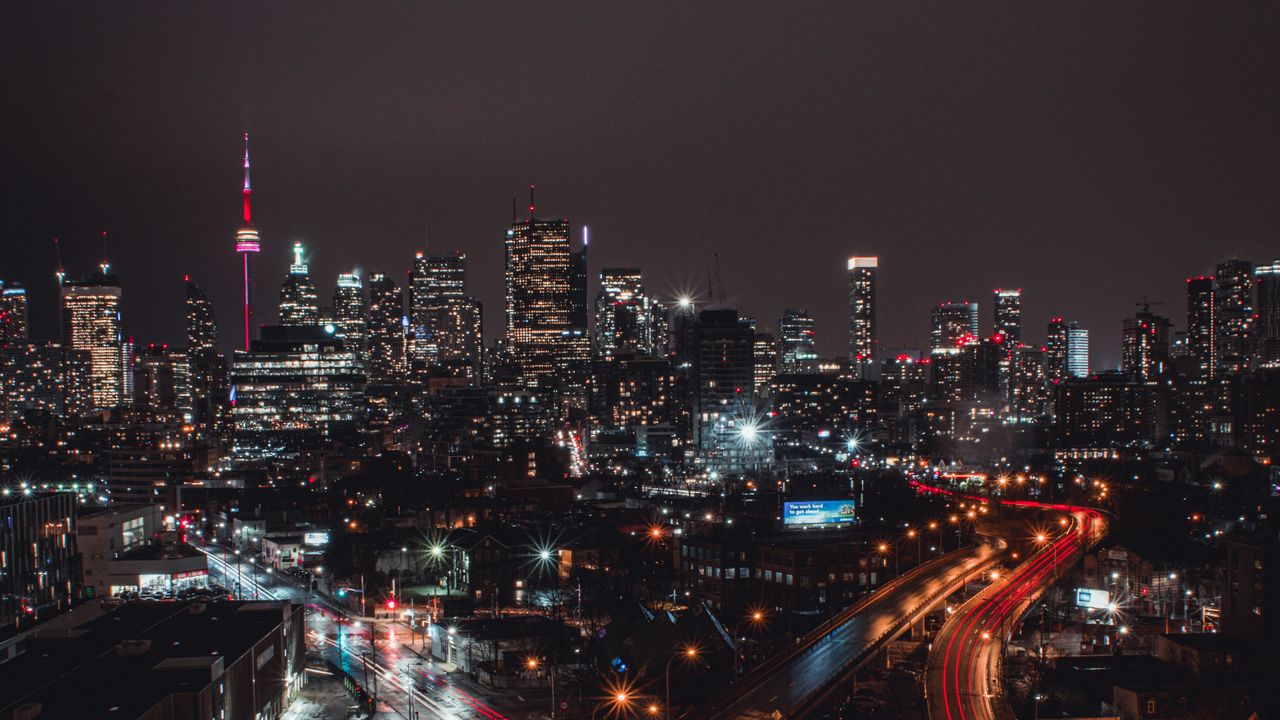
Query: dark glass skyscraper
point(1202, 326)
point(1007, 320)
point(797, 349)
point(627, 319)
point(1268, 328)
point(445, 330)
point(1146, 345)
point(202, 325)
point(954, 324)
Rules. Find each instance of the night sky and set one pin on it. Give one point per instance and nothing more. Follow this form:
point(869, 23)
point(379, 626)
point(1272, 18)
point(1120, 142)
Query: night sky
point(1089, 153)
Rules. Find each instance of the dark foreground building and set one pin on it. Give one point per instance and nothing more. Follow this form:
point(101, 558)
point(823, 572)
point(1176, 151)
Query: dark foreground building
point(160, 660)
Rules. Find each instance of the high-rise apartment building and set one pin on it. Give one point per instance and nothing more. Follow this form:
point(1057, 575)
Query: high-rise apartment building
point(162, 384)
point(1202, 326)
point(721, 351)
point(1077, 351)
point(1066, 350)
point(13, 313)
point(1268, 303)
point(299, 301)
point(1233, 314)
point(797, 345)
point(1146, 345)
point(350, 315)
point(627, 319)
point(545, 320)
point(386, 329)
point(1007, 320)
point(863, 333)
point(954, 324)
point(91, 325)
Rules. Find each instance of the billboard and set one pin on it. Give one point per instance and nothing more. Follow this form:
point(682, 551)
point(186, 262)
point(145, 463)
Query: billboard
point(818, 512)
point(1093, 599)
point(315, 539)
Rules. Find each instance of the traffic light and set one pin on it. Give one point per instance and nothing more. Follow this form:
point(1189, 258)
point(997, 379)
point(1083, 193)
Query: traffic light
point(342, 592)
point(391, 603)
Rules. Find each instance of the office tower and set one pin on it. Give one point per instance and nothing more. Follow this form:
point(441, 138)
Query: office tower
point(299, 302)
point(1077, 351)
point(445, 332)
point(248, 244)
point(386, 329)
point(954, 324)
point(278, 408)
point(578, 341)
point(627, 319)
point(202, 325)
point(434, 281)
point(13, 313)
point(543, 331)
point(91, 325)
point(863, 335)
point(162, 385)
point(721, 348)
point(765, 354)
point(1233, 314)
point(1008, 314)
point(1202, 327)
point(1268, 328)
point(797, 348)
point(350, 319)
point(1146, 345)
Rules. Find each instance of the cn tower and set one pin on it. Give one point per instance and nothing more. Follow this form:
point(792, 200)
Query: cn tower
point(248, 245)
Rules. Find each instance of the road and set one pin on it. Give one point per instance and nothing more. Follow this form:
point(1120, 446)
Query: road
point(962, 677)
point(381, 651)
point(786, 686)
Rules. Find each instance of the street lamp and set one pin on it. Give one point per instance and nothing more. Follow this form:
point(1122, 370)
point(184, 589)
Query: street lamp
point(690, 652)
point(620, 700)
point(756, 616)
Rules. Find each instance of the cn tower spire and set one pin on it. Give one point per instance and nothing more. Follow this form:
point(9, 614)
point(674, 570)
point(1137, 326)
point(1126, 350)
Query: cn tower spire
point(248, 216)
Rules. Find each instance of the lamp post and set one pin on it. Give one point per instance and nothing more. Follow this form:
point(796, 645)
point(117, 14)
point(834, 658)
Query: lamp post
point(620, 700)
point(532, 664)
point(690, 653)
point(919, 554)
point(239, 591)
point(756, 616)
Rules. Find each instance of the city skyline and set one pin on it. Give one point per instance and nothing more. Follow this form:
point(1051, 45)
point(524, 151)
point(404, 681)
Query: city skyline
point(1029, 198)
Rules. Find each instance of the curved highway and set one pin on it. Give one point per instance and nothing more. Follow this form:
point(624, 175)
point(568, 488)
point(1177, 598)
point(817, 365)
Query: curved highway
point(831, 652)
point(962, 678)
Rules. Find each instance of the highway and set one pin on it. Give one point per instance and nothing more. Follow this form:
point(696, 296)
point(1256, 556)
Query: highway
point(832, 651)
point(962, 676)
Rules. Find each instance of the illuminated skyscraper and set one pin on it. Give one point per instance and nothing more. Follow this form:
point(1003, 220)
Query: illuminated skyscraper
point(299, 302)
point(91, 325)
point(202, 326)
point(350, 318)
point(31, 379)
point(721, 349)
point(1268, 328)
point(1077, 351)
point(248, 244)
point(162, 384)
point(954, 324)
point(1055, 350)
point(445, 330)
point(543, 331)
point(1008, 314)
point(1202, 326)
point(628, 320)
point(765, 352)
point(863, 334)
point(13, 313)
point(386, 329)
point(1233, 314)
point(797, 348)
point(1146, 345)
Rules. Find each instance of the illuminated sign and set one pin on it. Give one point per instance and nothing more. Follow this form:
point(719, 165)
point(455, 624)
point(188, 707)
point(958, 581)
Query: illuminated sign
point(315, 538)
point(818, 512)
point(1093, 599)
